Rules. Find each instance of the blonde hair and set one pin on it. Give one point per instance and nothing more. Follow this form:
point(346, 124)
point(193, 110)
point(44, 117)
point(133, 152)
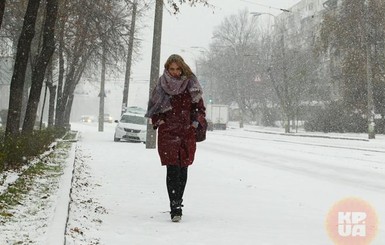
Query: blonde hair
point(175, 58)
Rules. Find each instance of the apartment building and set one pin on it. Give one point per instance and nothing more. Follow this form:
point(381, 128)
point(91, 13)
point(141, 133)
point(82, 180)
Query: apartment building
point(6, 64)
point(302, 24)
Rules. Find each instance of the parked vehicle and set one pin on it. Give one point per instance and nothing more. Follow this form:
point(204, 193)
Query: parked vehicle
point(218, 114)
point(135, 109)
point(132, 126)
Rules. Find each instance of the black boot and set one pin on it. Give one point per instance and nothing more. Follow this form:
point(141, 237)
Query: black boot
point(176, 210)
point(176, 182)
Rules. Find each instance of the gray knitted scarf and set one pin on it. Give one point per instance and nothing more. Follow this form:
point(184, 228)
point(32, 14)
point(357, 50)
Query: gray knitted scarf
point(168, 86)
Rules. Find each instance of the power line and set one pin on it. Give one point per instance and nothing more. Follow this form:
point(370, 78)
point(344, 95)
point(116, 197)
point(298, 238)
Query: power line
point(267, 6)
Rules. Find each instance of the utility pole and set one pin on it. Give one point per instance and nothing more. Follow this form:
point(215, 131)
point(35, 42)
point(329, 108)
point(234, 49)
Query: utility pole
point(129, 57)
point(287, 107)
point(204, 51)
point(102, 93)
point(370, 109)
point(155, 63)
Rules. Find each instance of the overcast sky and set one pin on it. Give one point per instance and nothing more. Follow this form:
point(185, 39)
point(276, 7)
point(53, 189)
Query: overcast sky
point(194, 27)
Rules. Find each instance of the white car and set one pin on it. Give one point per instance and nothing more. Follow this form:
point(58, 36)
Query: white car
point(108, 118)
point(87, 119)
point(131, 127)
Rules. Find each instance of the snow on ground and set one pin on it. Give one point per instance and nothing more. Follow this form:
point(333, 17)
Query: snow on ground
point(243, 188)
point(41, 215)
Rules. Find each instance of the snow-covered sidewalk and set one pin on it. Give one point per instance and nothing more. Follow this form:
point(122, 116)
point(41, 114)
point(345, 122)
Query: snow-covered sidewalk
point(41, 214)
point(247, 186)
point(234, 197)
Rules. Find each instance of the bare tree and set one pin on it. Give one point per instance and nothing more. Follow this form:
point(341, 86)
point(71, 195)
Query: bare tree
point(176, 4)
point(80, 46)
point(235, 39)
point(12, 18)
point(41, 64)
point(21, 60)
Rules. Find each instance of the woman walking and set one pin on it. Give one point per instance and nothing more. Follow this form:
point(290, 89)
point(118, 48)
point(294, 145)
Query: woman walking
point(176, 109)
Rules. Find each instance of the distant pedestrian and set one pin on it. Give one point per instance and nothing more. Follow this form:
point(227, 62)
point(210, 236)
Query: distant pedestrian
point(176, 109)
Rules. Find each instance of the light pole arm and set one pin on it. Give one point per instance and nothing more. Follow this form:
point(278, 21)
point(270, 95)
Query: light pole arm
point(256, 14)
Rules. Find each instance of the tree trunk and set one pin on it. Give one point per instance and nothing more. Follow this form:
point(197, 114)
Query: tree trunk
point(67, 90)
point(70, 83)
point(41, 65)
point(283, 101)
point(51, 107)
point(42, 108)
point(67, 111)
point(2, 8)
point(52, 95)
point(77, 77)
point(61, 72)
point(72, 79)
point(21, 60)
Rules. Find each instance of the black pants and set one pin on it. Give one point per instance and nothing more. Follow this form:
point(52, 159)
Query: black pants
point(176, 183)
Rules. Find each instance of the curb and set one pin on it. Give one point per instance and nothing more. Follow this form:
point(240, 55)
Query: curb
point(307, 135)
point(57, 227)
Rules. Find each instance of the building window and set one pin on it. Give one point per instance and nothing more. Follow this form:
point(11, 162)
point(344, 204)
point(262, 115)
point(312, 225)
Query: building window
point(310, 6)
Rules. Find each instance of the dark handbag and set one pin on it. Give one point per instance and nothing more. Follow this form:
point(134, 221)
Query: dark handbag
point(200, 131)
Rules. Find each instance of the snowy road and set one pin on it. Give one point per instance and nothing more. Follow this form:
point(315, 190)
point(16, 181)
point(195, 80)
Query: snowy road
point(244, 188)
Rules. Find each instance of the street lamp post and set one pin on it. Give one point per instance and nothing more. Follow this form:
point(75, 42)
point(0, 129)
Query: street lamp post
point(194, 58)
point(208, 80)
point(196, 63)
point(370, 109)
point(202, 50)
point(257, 14)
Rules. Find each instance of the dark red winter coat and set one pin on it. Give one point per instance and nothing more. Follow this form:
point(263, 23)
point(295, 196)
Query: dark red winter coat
point(176, 137)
